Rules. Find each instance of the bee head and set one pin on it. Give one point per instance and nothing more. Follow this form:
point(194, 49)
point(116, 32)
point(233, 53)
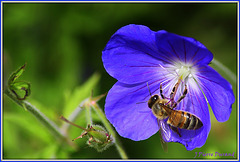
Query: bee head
point(152, 100)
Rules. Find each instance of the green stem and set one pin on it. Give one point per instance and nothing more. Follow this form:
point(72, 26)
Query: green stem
point(88, 115)
point(72, 118)
point(76, 113)
point(226, 70)
point(110, 129)
point(52, 127)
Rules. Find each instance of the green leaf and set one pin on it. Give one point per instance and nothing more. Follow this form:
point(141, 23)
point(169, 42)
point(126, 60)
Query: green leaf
point(16, 74)
point(79, 94)
point(20, 89)
point(32, 129)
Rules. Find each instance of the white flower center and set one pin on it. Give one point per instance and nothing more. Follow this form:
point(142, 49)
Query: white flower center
point(183, 72)
point(186, 73)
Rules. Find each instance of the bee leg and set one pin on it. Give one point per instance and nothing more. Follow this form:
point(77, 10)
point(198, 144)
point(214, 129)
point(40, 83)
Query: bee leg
point(174, 91)
point(178, 133)
point(181, 97)
point(175, 129)
point(161, 92)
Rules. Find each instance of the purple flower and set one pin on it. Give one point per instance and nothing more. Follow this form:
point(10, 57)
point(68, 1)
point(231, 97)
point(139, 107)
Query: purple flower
point(137, 56)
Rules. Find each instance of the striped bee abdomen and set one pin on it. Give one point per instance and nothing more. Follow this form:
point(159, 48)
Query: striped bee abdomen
point(184, 120)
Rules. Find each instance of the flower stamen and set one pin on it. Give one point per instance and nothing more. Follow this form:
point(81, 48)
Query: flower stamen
point(183, 72)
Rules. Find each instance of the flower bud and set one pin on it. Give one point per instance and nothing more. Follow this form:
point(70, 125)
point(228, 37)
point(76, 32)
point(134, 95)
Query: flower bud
point(99, 138)
point(20, 89)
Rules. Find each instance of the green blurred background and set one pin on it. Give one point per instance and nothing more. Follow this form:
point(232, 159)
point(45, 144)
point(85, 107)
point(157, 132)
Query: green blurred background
point(62, 44)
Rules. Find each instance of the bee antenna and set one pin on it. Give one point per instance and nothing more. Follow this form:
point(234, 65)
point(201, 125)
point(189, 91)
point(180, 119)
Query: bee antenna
point(149, 90)
point(141, 102)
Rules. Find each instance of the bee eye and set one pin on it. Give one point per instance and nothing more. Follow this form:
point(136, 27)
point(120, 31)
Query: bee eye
point(154, 98)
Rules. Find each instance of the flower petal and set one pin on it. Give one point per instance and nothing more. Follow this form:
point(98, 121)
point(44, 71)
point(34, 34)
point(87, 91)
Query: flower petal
point(218, 91)
point(131, 119)
point(182, 49)
point(130, 55)
point(135, 56)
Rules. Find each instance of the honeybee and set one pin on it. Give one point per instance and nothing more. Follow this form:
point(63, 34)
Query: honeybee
point(163, 108)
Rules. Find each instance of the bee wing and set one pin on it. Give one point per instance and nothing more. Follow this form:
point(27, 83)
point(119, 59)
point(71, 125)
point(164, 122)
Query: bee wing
point(164, 132)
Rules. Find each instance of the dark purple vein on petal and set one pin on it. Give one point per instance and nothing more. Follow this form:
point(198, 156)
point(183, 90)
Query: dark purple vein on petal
point(147, 72)
point(198, 60)
point(203, 77)
point(145, 86)
point(174, 50)
point(163, 51)
point(166, 59)
point(185, 52)
point(210, 94)
point(143, 66)
point(158, 88)
point(198, 99)
point(194, 56)
point(148, 62)
point(191, 100)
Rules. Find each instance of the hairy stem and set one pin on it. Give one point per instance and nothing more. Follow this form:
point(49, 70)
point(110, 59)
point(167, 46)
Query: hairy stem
point(52, 127)
point(88, 115)
point(72, 118)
